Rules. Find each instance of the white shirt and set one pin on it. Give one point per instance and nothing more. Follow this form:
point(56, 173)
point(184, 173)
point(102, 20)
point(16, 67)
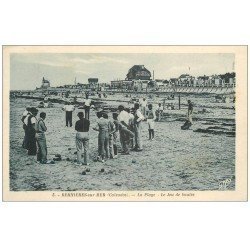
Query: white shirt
point(123, 117)
point(131, 115)
point(69, 108)
point(160, 108)
point(32, 120)
point(87, 102)
point(144, 103)
point(139, 115)
point(25, 113)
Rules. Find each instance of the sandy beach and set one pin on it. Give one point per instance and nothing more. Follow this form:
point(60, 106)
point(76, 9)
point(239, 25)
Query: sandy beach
point(176, 160)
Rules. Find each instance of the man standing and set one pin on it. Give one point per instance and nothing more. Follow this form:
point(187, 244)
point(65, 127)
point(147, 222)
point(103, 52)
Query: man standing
point(123, 118)
point(68, 108)
point(144, 106)
point(160, 112)
point(103, 136)
point(25, 114)
point(190, 112)
point(82, 139)
point(30, 122)
point(111, 138)
point(87, 105)
point(115, 134)
point(131, 126)
point(138, 119)
point(41, 139)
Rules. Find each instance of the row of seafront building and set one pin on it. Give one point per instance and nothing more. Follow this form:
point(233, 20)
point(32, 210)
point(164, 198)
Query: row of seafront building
point(142, 80)
point(139, 79)
point(161, 84)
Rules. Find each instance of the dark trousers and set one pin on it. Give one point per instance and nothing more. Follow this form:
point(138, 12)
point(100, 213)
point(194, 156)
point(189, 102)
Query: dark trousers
point(87, 109)
point(125, 140)
point(25, 141)
point(31, 142)
point(115, 143)
point(69, 118)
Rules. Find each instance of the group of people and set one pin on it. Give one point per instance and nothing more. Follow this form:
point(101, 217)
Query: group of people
point(34, 139)
point(126, 124)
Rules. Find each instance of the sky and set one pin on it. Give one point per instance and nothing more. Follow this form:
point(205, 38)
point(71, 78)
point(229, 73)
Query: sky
point(27, 70)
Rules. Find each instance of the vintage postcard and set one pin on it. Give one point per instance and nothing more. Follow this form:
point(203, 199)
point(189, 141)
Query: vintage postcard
point(125, 123)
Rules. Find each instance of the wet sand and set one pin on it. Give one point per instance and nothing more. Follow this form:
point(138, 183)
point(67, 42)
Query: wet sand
point(176, 160)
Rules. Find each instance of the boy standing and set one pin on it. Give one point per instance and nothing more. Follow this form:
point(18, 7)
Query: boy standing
point(151, 121)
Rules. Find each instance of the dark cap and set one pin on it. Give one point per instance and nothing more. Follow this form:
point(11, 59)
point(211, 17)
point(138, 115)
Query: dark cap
point(120, 107)
point(34, 110)
point(80, 114)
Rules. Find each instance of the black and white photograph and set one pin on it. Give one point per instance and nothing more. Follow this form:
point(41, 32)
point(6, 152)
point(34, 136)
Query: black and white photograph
point(88, 121)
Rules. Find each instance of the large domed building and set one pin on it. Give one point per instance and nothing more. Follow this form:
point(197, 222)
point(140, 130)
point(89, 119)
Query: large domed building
point(138, 72)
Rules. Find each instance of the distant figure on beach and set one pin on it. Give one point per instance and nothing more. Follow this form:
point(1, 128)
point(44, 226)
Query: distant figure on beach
point(69, 108)
point(159, 112)
point(103, 137)
point(123, 118)
point(25, 114)
point(151, 117)
point(75, 99)
point(45, 98)
point(138, 120)
point(41, 139)
point(188, 123)
point(87, 105)
point(190, 111)
point(30, 122)
point(82, 139)
point(143, 104)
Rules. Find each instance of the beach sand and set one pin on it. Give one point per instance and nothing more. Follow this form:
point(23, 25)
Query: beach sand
point(176, 160)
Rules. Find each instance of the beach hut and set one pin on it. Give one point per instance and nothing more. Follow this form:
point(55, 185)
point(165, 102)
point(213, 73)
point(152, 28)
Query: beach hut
point(173, 82)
